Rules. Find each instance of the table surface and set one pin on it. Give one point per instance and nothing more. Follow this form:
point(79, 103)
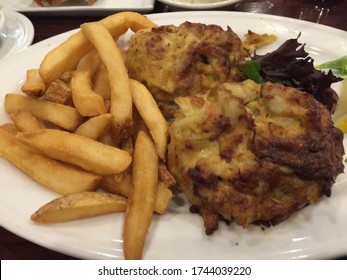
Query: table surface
point(328, 12)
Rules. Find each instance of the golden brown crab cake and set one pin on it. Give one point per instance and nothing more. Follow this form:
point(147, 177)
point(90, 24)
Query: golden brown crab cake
point(253, 153)
point(183, 60)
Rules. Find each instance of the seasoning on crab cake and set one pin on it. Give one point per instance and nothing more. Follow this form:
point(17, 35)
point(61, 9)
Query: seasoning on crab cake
point(183, 60)
point(253, 153)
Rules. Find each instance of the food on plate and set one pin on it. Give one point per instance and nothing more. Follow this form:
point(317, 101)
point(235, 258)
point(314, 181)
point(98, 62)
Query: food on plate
point(59, 91)
point(339, 65)
point(141, 203)
point(11, 128)
point(92, 120)
point(100, 83)
point(56, 176)
point(87, 102)
point(253, 153)
point(79, 150)
point(43, 3)
point(340, 114)
point(34, 85)
point(118, 79)
point(95, 127)
point(152, 116)
point(164, 197)
point(67, 55)
point(341, 106)
point(79, 206)
point(26, 121)
point(240, 150)
point(165, 175)
point(60, 115)
point(183, 60)
point(64, 132)
point(291, 65)
point(342, 123)
point(254, 40)
point(124, 187)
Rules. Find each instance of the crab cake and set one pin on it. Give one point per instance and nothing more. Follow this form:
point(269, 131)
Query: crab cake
point(253, 153)
point(183, 60)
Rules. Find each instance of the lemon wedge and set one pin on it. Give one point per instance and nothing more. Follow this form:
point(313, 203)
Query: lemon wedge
point(341, 106)
point(342, 123)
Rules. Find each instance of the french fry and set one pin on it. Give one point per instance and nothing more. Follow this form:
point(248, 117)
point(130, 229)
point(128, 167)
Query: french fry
point(66, 56)
point(86, 101)
point(107, 137)
point(107, 105)
point(10, 128)
point(34, 86)
point(165, 176)
point(66, 77)
point(89, 154)
point(90, 62)
point(124, 187)
point(164, 197)
point(26, 121)
point(61, 115)
point(95, 127)
point(100, 83)
point(128, 145)
point(79, 206)
point(152, 116)
point(141, 202)
point(54, 175)
point(139, 124)
point(121, 102)
point(107, 112)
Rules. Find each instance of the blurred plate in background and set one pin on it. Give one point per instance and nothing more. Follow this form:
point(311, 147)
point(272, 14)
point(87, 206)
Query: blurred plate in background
point(76, 7)
point(16, 34)
point(199, 4)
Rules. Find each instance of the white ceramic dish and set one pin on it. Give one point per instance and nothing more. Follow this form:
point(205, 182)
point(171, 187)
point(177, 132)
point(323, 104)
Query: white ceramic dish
point(16, 34)
point(2, 18)
point(76, 8)
point(315, 232)
point(199, 4)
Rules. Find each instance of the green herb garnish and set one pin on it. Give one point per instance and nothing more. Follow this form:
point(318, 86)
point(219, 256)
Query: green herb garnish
point(339, 65)
point(251, 71)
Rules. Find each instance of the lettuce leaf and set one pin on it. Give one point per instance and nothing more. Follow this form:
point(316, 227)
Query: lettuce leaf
point(340, 65)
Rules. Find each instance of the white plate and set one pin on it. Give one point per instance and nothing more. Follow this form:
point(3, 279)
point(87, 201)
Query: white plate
point(16, 34)
point(78, 7)
point(2, 18)
point(199, 4)
point(315, 232)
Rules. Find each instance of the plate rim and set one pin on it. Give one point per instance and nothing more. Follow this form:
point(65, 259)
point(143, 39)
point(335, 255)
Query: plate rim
point(146, 6)
point(199, 6)
point(251, 14)
point(154, 16)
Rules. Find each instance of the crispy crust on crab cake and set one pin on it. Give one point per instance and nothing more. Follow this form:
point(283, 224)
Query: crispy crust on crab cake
point(183, 60)
point(253, 153)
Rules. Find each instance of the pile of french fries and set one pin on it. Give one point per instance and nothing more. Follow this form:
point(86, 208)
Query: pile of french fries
point(85, 130)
